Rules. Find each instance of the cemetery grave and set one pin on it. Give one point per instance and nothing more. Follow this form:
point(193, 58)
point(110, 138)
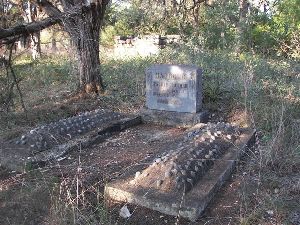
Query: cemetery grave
point(47, 136)
point(187, 174)
point(179, 169)
point(52, 141)
point(173, 169)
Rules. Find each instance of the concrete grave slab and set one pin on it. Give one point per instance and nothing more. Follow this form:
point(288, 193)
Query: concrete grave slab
point(188, 174)
point(49, 142)
point(49, 135)
point(175, 88)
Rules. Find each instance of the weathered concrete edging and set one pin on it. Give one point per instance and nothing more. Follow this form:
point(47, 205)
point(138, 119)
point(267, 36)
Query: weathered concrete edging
point(192, 204)
point(84, 142)
point(20, 157)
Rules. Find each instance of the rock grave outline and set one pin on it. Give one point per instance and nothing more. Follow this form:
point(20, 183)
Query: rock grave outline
point(100, 124)
point(130, 189)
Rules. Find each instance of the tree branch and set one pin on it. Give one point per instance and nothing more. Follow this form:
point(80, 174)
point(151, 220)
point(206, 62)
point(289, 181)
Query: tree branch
point(50, 9)
point(28, 28)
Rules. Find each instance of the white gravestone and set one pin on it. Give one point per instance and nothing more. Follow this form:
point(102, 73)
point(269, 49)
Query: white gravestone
point(176, 88)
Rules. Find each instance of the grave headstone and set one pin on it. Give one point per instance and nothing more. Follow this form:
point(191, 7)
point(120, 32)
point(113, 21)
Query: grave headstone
point(174, 95)
point(174, 88)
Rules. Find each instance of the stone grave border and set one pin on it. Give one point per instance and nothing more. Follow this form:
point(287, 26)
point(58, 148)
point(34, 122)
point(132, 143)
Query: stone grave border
point(193, 204)
point(56, 153)
point(85, 141)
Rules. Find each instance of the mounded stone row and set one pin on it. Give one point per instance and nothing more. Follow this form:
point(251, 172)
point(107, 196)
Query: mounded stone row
point(180, 169)
point(46, 136)
point(214, 130)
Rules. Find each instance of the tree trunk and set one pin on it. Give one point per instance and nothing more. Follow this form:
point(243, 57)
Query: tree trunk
point(53, 41)
point(86, 41)
point(243, 10)
point(53, 45)
point(35, 38)
point(35, 45)
point(89, 63)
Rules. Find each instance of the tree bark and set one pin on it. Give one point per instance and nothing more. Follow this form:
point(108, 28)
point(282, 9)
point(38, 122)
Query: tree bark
point(35, 45)
point(35, 39)
point(87, 49)
point(84, 31)
point(243, 10)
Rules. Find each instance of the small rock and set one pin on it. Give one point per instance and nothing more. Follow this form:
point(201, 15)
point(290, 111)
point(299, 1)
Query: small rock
point(158, 160)
point(199, 163)
point(177, 179)
point(23, 137)
point(270, 212)
point(174, 171)
point(179, 185)
point(124, 212)
point(137, 174)
point(146, 174)
point(159, 183)
point(168, 174)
